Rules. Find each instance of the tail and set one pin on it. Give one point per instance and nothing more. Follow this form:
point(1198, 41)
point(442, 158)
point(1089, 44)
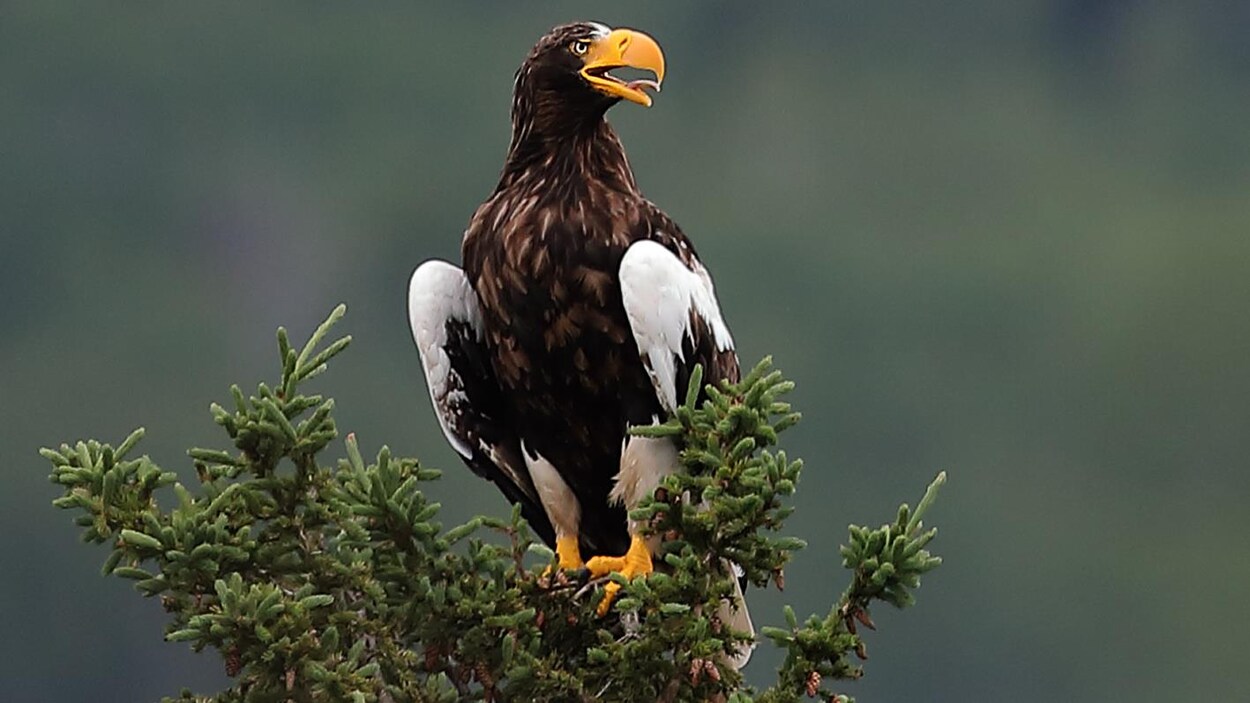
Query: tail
point(734, 614)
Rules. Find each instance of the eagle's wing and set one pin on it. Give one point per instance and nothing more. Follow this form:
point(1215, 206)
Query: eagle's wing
point(676, 323)
point(675, 320)
point(447, 327)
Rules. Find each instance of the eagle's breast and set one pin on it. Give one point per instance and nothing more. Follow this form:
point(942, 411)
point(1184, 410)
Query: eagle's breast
point(546, 274)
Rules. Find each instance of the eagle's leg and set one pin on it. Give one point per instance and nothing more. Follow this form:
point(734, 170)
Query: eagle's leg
point(560, 504)
point(645, 461)
point(568, 553)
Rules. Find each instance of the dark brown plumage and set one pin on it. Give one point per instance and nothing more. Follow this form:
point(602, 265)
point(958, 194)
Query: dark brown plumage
point(558, 373)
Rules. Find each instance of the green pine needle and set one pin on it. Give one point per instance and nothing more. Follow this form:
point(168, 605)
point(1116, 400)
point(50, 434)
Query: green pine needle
point(332, 580)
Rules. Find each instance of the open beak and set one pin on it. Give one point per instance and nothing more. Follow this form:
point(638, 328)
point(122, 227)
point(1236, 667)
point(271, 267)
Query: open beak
point(624, 48)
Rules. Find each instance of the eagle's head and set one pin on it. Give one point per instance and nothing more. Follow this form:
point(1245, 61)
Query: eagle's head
point(569, 70)
point(562, 90)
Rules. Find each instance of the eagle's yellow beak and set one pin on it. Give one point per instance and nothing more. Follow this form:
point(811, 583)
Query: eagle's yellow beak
point(624, 48)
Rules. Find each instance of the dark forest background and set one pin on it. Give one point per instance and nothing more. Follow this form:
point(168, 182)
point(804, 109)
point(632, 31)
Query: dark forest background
point(1006, 239)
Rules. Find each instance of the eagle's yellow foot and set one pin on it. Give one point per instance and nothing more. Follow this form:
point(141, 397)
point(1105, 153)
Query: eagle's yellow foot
point(636, 562)
point(568, 555)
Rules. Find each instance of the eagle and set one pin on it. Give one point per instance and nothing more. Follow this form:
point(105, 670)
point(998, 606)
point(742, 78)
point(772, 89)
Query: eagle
point(579, 312)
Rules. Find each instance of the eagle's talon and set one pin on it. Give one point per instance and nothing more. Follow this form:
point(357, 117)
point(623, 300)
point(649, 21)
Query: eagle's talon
point(603, 565)
point(609, 595)
point(636, 562)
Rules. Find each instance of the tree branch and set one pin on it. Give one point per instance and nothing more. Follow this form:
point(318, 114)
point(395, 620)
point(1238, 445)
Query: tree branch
point(335, 582)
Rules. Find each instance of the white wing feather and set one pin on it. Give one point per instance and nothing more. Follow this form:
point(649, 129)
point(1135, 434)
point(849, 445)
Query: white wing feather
point(439, 292)
point(662, 297)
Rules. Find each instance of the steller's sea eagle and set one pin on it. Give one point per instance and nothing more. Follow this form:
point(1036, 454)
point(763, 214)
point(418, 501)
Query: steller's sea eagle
point(580, 311)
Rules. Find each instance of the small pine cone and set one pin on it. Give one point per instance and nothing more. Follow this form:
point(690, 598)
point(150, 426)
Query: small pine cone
point(696, 671)
point(813, 684)
point(713, 673)
point(234, 663)
point(861, 615)
point(432, 658)
point(290, 679)
point(861, 650)
point(779, 578)
point(482, 672)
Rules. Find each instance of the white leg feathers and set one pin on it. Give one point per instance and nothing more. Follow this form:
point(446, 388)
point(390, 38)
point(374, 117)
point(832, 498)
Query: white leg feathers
point(645, 461)
point(557, 498)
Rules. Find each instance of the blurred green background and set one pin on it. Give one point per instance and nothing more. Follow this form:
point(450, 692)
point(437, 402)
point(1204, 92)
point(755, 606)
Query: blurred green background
point(1006, 239)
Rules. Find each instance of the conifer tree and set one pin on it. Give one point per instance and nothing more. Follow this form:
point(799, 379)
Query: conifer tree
point(334, 581)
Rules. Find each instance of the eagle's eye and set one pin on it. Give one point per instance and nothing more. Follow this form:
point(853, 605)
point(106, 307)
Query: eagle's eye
point(580, 47)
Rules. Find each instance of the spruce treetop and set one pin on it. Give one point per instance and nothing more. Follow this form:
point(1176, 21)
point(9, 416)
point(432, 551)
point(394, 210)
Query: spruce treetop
point(320, 580)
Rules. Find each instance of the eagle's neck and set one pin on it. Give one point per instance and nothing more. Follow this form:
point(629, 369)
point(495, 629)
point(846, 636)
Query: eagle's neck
point(563, 145)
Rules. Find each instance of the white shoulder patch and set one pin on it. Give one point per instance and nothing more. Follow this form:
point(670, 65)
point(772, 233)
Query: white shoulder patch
point(439, 293)
point(661, 298)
